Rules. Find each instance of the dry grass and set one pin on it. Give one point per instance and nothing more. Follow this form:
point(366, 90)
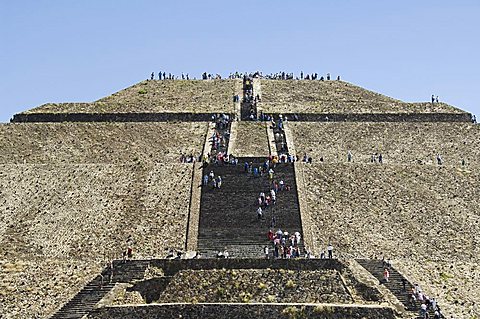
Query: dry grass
point(256, 285)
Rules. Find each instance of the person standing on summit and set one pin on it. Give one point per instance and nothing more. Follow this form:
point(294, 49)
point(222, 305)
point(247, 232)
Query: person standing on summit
point(330, 250)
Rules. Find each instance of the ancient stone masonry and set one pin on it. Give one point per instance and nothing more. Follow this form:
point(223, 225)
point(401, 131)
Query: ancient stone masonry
point(337, 97)
point(157, 97)
point(408, 143)
point(82, 182)
point(239, 311)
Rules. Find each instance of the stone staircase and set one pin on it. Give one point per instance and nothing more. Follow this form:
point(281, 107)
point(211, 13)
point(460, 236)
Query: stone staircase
point(130, 270)
point(280, 138)
point(84, 301)
point(248, 107)
point(228, 218)
point(394, 284)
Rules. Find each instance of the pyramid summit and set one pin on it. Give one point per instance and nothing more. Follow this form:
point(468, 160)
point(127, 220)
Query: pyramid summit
point(243, 197)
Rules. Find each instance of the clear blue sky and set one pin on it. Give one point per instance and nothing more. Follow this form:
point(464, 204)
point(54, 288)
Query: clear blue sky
point(67, 51)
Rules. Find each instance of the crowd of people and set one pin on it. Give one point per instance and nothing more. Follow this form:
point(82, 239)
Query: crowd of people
point(283, 244)
point(427, 304)
point(417, 298)
point(282, 75)
point(169, 76)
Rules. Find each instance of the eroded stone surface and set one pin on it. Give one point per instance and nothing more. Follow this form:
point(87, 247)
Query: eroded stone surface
point(399, 143)
point(99, 142)
point(37, 287)
point(193, 96)
point(424, 218)
point(293, 96)
point(256, 285)
point(251, 140)
point(80, 216)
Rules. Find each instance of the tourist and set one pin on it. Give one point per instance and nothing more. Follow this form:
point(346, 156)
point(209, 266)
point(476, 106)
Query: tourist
point(273, 222)
point(433, 98)
point(330, 251)
point(349, 156)
point(386, 274)
point(380, 158)
point(205, 180)
point(404, 284)
point(152, 76)
point(433, 304)
point(423, 311)
point(439, 159)
point(219, 181)
point(265, 251)
point(259, 212)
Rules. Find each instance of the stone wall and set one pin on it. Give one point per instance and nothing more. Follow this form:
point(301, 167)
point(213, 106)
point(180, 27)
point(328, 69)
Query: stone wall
point(399, 143)
point(240, 311)
point(100, 142)
point(377, 117)
point(425, 218)
point(171, 267)
point(111, 117)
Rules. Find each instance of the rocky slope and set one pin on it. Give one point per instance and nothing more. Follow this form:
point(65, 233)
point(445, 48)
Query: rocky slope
point(59, 218)
point(424, 218)
point(192, 96)
point(99, 142)
point(399, 143)
point(294, 96)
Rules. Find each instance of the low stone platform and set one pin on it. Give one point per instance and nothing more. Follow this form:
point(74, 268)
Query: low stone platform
point(237, 311)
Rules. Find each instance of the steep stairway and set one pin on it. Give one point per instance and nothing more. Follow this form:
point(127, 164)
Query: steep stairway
point(228, 218)
point(84, 301)
point(394, 284)
point(248, 106)
point(280, 138)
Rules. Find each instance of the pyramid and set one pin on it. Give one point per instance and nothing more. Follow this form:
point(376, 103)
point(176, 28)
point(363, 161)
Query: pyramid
point(81, 182)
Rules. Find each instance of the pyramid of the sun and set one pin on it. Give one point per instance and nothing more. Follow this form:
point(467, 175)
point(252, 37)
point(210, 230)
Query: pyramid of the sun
point(78, 181)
